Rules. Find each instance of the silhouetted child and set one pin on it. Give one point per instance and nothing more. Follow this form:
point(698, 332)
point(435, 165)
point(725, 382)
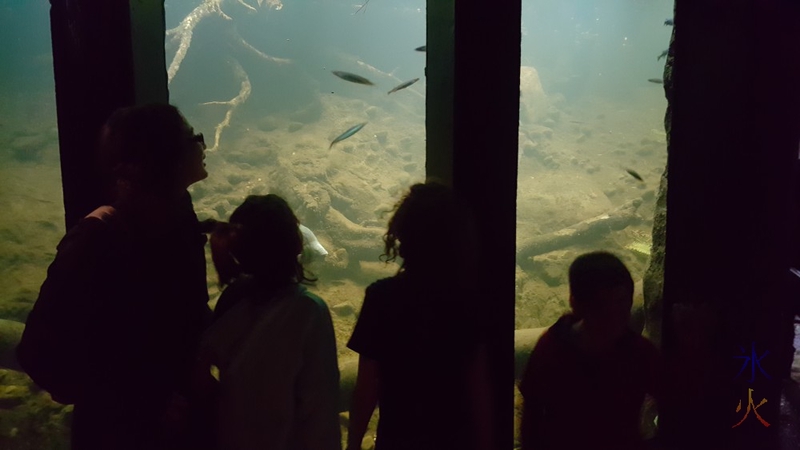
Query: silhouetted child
point(273, 340)
point(420, 353)
point(588, 375)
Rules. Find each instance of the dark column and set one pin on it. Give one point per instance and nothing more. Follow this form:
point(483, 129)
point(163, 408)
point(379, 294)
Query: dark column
point(440, 86)
point(486, 120)
point(148, 28)
point(733, 143)
point(96, 72)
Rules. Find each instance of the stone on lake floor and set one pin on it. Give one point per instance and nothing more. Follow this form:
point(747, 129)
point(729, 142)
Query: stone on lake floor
point(344, 310)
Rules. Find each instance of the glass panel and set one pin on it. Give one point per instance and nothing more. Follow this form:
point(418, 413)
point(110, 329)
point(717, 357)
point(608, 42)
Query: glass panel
point(592, 145)
point(257, 77)
point(32, 221)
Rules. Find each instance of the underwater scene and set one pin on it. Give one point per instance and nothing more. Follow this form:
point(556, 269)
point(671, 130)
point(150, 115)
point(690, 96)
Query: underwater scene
point(323, 103)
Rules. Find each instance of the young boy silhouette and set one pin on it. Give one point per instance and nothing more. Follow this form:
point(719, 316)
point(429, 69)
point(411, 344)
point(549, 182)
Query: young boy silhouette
point(587, 377)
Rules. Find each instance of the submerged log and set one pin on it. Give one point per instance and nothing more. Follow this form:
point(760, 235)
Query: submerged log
point(585, 232)
point(362, 243)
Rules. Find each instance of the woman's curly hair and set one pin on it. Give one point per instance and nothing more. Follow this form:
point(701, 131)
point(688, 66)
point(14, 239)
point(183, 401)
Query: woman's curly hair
point(429, 222)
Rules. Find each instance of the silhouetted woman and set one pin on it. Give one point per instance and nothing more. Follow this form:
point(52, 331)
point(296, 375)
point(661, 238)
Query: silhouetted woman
point(420, 354)
point(126, 296)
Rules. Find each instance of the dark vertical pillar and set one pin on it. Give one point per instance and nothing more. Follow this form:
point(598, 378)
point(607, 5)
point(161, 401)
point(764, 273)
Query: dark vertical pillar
point(93, 76)
point(148, 28)
point(440, 88)
point(97, 72)
point(733, 141)
point(485, 120)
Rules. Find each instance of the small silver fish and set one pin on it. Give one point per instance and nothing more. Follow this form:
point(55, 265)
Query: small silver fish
point(421, 48)
point(351, 131)
point(656, 80)
point(351, 77)
point(634, 174)
point(670, 22)
point(404, 85)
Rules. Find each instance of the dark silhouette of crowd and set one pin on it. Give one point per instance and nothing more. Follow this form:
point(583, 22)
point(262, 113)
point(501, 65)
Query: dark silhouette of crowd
point(123, 331)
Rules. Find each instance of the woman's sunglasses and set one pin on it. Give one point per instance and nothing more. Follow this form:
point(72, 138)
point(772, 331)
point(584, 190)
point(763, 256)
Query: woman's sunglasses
point(199, 138)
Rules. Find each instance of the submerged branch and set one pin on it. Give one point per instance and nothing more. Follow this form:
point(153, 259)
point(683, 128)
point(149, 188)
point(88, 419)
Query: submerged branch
point(258, 52)
point(246, 5)
point(184, 31)
point(244, 93)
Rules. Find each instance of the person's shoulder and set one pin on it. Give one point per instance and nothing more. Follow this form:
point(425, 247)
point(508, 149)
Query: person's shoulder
point(383, 287)
point(547, 342)
point(98, 220)
point(91, 231)
point(554, 339)
point(306, 299)
point(385, 283)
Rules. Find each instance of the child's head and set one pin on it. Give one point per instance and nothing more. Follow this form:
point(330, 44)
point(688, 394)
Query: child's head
point(430, 229)
point(601, 290)
point(262, 239)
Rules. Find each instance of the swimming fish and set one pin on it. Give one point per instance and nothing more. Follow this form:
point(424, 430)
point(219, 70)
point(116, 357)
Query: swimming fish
point(351, 77)
point(404, 85)
point(656, 80)
point(634, 174)
point(663, 55)
point(421, 48)
point(353, 130)
point(670, 22)
point(310, 241)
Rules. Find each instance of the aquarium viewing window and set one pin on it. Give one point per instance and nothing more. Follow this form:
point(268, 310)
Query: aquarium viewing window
point(32, 222)
point(322, 103)
point(592, 145)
